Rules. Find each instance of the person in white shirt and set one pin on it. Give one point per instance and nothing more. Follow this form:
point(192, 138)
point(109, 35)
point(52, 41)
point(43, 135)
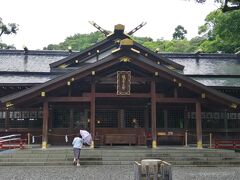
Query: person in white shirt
point(77, 146)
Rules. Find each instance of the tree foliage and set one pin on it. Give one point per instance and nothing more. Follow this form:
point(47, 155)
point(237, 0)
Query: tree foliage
point(226, 5)
point(222, 32)
point(77, 42)
point(179, 33)
point(7, 29)
point(10, 28)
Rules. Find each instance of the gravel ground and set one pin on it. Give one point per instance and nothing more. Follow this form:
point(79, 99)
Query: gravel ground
point(113, 173)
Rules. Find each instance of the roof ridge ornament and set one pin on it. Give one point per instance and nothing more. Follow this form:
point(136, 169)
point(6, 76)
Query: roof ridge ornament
point(126, 42)
point(137, 28)
point(118, 28)
point(105, 32)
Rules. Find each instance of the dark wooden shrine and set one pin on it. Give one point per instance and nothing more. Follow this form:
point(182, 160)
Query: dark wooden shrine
point(119, 91)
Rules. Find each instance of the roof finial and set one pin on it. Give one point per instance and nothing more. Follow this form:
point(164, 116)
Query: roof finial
point(137, 28)
point(105, 32)
point(25, 49)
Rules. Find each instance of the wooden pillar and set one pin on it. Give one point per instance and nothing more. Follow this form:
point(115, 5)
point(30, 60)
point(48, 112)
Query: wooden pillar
point(93, 109)
point(153, 114)
point(7, 119)
point(45, 125)
point(198, 125)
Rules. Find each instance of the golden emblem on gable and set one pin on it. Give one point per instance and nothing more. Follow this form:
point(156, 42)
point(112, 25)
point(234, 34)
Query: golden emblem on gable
point(125, 59)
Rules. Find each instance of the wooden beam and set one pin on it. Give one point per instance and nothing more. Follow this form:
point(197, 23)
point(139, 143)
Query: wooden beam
point(132, 95)
point(69, 99)
point(87, 98)
point(113, 79)
point(176, 100)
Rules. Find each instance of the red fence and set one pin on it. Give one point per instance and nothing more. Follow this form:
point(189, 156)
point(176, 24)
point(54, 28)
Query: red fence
point(12, 142)
point(227, 144)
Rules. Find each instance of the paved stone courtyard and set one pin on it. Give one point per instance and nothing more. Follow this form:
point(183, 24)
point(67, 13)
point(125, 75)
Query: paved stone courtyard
point(113, 173)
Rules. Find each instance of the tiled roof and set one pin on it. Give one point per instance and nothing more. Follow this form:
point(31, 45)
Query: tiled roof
point(26, 78)
point(218, 81)
point(38, 61)
point(33, 61)
point(215, 64)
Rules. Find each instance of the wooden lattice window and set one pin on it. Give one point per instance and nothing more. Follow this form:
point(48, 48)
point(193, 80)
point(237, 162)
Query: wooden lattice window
point(34, 119)
point(212, 120)
point(25, 119)
point(80, 119)
point(191, 120)
point(2, 119)
point(61, 118)
point(160, 118)
point(175, 119)
point(134, 118)
point(233, 120)
point(106, 118)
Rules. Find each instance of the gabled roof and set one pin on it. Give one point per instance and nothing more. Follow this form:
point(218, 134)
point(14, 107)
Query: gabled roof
point(110, 60)
point(112, 42)
point(109, 41)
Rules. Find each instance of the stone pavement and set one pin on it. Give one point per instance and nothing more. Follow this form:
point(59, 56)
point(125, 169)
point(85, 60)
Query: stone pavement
point(117, 172)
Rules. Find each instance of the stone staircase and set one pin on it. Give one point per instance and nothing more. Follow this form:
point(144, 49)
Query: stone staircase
point(63, 156)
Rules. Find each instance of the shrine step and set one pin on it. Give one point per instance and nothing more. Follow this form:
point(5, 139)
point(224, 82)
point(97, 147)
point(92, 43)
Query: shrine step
point(119, 156)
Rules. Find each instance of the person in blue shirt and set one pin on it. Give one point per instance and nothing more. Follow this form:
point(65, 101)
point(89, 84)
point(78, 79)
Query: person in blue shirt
point(77, 146)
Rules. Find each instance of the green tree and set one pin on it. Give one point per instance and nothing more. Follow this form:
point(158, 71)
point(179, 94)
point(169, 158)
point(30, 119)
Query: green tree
point(226, 5)
point(10, 28)
point(77, 42)
point(7, 29)
point(221, 31)
point(179, 33)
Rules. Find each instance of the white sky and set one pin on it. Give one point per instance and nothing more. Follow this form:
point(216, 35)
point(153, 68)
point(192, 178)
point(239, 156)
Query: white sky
point(43, 22)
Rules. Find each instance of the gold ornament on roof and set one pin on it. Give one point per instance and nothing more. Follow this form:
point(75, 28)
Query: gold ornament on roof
point(125, 59)
point(234, 105)
point(126, 42)
point(9, 104)
point(119, 27)
point(43, 94)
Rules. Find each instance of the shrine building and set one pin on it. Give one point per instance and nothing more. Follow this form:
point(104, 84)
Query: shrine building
point(121, 92)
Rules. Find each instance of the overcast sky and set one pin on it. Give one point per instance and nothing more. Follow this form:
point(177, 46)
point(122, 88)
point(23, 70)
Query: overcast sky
point(43, 22)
